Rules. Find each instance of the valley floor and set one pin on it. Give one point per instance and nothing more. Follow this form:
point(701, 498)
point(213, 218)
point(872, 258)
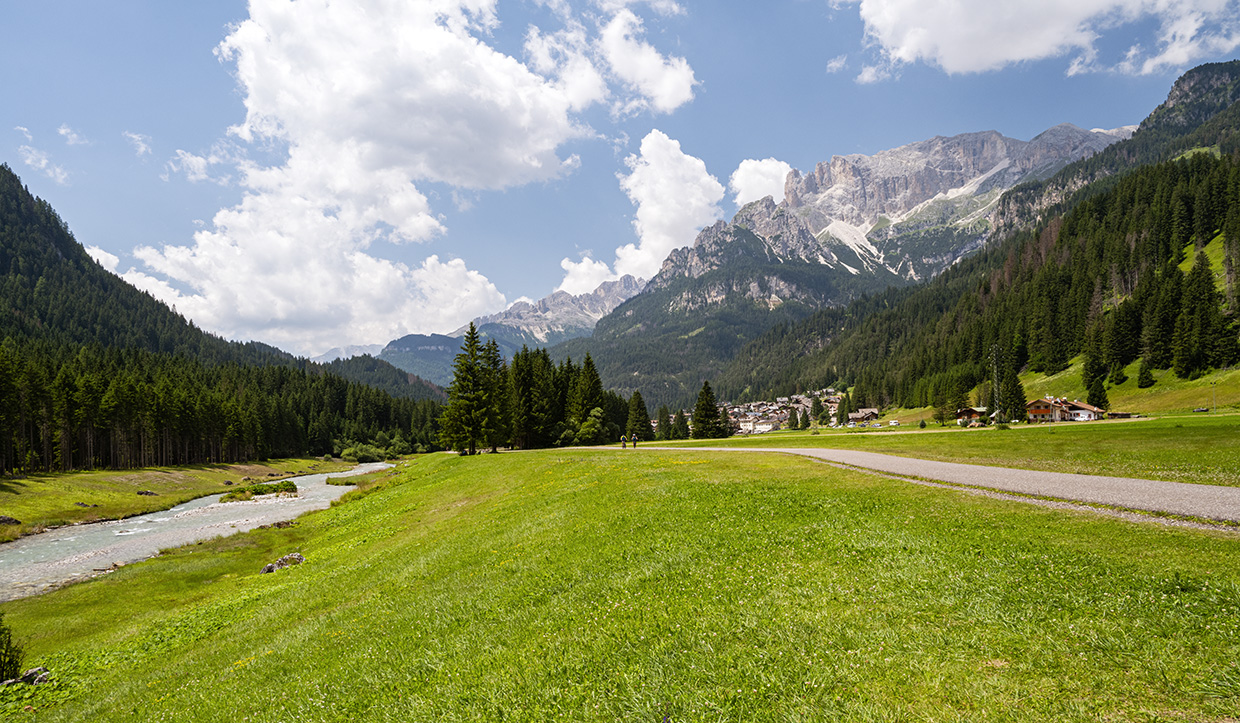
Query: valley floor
point(658, 585)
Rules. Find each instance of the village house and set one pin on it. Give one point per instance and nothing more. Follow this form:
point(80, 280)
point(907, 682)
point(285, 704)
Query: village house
point(867, 414)
point(968, 415)
point(1052, 409)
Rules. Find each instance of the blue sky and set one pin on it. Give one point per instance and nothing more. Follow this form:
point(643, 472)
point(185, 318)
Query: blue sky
point(314, 174)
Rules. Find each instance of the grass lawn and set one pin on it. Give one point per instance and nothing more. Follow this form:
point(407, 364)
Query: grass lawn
point(649, 585)
point(1202, 449)
point(50, 500)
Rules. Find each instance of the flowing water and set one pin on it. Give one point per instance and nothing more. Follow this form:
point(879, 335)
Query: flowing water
point(49, 559)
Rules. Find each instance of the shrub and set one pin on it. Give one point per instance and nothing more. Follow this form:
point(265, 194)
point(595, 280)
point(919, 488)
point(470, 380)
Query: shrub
point(252, 491)
point(11, 653)
point(363, 453)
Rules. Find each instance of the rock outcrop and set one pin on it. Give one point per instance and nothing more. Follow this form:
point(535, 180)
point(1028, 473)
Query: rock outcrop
point(293, 558)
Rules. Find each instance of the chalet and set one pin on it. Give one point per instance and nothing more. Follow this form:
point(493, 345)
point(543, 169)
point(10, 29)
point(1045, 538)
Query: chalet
point(1082, 412)
point(968, 415)
point(1052, 409)
point(868, 414)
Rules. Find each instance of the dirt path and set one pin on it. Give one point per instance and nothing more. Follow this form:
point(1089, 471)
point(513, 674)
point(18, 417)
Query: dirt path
point(1208, 502)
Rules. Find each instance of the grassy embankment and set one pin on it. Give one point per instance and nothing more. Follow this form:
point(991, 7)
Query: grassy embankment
point(1202, 449)
point(601, 585)
point(50, 500)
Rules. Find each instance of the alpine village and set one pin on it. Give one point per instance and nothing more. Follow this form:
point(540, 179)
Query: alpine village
point(949, 433)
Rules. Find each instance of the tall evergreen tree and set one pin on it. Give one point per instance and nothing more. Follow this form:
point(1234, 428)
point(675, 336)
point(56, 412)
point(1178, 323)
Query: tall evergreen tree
point(465, 423)
point(586, 394)
point(680, 426)
point(706, 419)
point(815, 410)
point(663, 423)
point(1098, 394)
point(499, 413)
point(638, 427)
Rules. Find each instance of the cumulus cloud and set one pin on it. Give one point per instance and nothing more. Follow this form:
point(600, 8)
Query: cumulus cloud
point(964, 36)
point(753, 180)
point(39, 161)
point(25, 132)
point(107, 260)
point(675, 197)
point(367, 103)
point(663, 7)
point(662, 83)
point(141, 143)
point(71, 137)
point(367, 99)
point(837, 63)
point(584, 276)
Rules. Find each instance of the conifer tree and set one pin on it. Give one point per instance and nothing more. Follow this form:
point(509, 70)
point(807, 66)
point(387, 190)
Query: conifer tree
point(465, 421)
point(815, 410)
point(1098, 394)
point(706, 422)
point(663, 423)
point(1145, 378)
point(499, 413)
point(680, 426)
point(638, 427)
point(586, 394)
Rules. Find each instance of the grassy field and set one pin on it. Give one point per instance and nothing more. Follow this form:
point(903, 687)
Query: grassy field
point(50, 500)
point(653, 586)
point(1201, 449)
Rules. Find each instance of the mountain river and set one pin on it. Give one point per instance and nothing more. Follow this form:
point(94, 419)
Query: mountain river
point(49, 559)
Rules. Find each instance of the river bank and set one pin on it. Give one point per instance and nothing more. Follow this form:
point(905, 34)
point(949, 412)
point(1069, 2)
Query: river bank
point(46, 560)
point(47, 501)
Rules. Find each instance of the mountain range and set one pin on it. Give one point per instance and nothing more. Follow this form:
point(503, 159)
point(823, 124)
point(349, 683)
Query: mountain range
point(854, 225)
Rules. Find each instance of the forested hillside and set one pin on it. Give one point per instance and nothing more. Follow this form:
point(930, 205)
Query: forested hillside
point(1105, 279)
point(51, 289)
point(95, 373)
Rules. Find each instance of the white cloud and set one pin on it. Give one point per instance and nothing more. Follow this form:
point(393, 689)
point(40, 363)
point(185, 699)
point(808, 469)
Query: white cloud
point(663, 83)
point(872, 74)
point(368, 99)
point(566, 55)
point(39, 161)
point(198, 168)
point(753, 180)
point(107, 260)
point(141, 143)
point(964, 36)
point(25, 132)
point(663, 7)
point(837, 63)
point(71, 137)
point(582, 277)
point(675, 197)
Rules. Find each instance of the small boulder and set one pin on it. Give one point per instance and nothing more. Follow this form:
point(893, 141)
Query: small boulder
point(293, 558)
point(147, 493)
point(34, 676)
point(6, 520)
point(228, 483)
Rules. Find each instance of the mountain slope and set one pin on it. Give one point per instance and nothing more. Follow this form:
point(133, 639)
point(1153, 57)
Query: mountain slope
point(854, 226)
point(1100, 275)
point(52, 290)
point(555, 318)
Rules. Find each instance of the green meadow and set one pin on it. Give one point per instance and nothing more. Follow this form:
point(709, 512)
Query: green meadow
point(1201, 449)
point(653, 586)
point(50, 500)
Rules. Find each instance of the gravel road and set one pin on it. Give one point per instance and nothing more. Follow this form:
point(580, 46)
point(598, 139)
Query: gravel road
point(1204, 501)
